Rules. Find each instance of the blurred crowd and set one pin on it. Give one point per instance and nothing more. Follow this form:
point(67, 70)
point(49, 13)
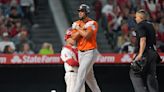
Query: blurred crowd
point(15, 26)
point(117, 20)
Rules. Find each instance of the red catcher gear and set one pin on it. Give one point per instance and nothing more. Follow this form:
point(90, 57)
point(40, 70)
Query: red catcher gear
point(68, 33)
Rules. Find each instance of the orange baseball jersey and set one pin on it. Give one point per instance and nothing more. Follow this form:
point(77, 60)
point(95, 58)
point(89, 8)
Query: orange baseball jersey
point(83, 43)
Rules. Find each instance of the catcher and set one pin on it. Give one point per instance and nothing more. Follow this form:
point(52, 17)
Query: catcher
point(70, 59)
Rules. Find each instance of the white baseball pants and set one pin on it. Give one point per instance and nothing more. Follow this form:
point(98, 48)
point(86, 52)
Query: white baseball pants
point(85, 71)
point(70, 79)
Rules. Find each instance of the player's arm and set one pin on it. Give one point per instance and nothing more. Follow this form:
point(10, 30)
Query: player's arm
point(75, 35)
point(142, 44)
point(72, 62)
point(142, 47)
point(86, 32)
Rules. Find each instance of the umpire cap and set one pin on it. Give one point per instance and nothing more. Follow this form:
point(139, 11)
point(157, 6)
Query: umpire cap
point(85, 8)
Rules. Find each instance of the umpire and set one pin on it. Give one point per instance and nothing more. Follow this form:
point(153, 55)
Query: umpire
point(144, 79)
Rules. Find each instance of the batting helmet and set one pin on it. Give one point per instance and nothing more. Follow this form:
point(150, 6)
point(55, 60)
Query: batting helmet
point(68, 33)
point(85, 8)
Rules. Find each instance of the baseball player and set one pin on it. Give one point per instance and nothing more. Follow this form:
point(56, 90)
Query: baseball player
point(70, 59)
point(87, 49)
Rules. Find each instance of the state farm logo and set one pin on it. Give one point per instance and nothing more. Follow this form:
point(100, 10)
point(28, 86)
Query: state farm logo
point(35, 59)
point(3, 60)
point(126, 58)
point(162, 57)
point(105, 59)
point(16, 59)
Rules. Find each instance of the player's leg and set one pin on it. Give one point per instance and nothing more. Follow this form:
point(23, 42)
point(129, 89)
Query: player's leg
point(85, 60)
point(152, 82)
point(70, 79)
point(91, 81)
point(83, 88)
point(137, 81)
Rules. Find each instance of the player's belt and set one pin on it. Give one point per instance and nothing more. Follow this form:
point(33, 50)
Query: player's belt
point(71, 71)
point(85, 50)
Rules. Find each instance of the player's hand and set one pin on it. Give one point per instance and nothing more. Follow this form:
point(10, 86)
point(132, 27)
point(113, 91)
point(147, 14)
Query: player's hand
point(75, 36)
point(138, 57)
point(138, 65)
point(75, 26)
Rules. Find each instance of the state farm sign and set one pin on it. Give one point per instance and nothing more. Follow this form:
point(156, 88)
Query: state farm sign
point(35, 59)
point(3, 60)
point(109, 58)
point(30, 59)
point(114, 58)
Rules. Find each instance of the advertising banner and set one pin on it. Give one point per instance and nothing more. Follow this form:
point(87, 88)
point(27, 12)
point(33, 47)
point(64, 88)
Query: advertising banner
point(108, 58)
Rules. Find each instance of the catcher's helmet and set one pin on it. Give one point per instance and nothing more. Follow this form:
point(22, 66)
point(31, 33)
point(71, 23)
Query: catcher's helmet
point(85, 8)
point(68, 33)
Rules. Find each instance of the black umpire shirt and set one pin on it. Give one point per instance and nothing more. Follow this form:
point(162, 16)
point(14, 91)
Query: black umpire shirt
point(145, 29)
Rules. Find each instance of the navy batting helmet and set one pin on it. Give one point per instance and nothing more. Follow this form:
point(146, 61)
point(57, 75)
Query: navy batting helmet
point(84, 7)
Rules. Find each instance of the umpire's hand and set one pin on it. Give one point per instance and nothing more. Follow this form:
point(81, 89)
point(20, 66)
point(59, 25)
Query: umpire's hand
point(138, 65)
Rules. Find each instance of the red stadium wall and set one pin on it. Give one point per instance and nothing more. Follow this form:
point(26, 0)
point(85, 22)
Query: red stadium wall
point(109, 58)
